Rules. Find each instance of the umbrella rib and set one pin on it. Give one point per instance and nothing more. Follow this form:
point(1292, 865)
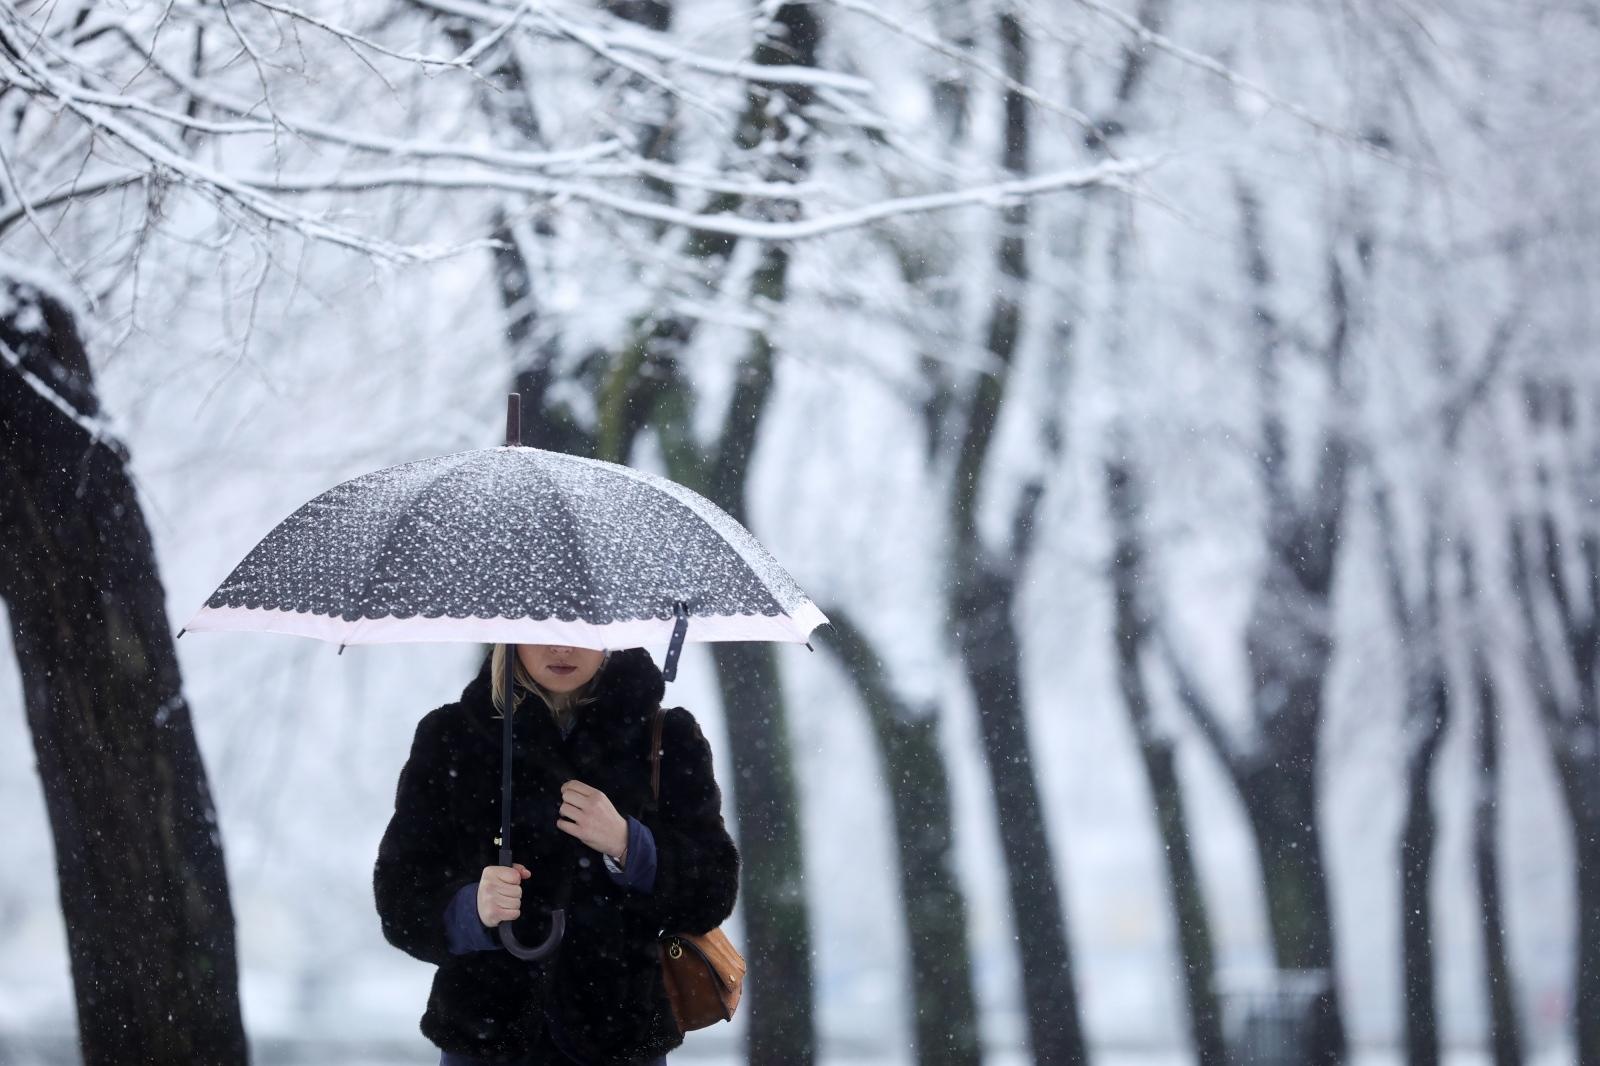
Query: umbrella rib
point(574, 526)
point(427, 487)
point(724, 526)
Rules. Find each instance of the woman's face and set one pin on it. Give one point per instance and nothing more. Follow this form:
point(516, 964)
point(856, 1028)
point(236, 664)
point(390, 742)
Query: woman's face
point(560, 668)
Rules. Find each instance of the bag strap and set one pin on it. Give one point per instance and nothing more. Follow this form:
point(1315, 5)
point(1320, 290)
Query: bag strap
point(655, 755)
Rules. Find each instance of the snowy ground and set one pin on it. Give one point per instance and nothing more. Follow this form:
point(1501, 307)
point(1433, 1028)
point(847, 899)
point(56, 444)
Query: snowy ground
point(703, 1050)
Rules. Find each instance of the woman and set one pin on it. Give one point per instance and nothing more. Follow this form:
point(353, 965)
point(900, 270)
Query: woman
point(586, 836)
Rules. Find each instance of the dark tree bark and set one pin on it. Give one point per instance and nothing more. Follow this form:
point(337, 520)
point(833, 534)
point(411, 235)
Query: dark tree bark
point(1416, 884)
point(945, 1022)
point(1505, 1028)
point(985, 586)
point(1131, 610)
point(773, 891)
point(1132, 628)
point(782, 1027)
point(1555, 573)
point(1426, 716)
point(1419, 623)
point(1132, 634)
point(143, 889)
point(1289, 643)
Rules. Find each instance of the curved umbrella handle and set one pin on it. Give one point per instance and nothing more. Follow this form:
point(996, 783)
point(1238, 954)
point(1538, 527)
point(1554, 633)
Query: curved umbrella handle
point(509, 941)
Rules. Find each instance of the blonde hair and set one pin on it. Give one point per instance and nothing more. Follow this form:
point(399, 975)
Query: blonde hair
point(562, 705)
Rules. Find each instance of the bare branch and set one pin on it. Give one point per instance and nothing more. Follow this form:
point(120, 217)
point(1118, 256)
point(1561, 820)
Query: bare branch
point(597, 44)
point(1534, 656)
point(1157, 40)
point(1389, 542)
point(462, 61)
point(969, 60)
point(27, 209)
point(1198, 706)
point(629, 37)
point(1110, 174)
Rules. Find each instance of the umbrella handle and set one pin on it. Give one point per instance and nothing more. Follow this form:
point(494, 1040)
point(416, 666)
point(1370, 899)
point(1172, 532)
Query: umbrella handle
point(508, 938)
point(558, 926)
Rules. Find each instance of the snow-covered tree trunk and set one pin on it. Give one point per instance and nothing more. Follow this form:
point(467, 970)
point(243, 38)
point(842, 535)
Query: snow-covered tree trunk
point(944, 1013)
point(782, 1023)
point(1425, 718)
point(1132, 627)
point(1288, 637)
point(985, 584)
point(143, 890)
point(1505, 1028)
point(1132, 632)
point(773, 894)
point(1555, 574)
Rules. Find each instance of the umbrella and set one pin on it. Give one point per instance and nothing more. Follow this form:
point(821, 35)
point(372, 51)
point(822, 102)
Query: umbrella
point(512, 545)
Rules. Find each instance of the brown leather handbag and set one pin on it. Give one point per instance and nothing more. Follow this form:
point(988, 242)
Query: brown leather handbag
point(704, 973)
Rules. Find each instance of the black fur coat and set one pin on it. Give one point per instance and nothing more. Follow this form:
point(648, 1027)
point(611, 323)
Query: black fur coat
point(603, 986)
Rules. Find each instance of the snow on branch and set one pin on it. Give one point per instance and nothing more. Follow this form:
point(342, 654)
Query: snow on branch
point(463, 61)
point(347, 136)
point(965, 58)
point(135, 102)
point(98, 429)
point(1153, 39)
point(620, 36)
point(1113, 173)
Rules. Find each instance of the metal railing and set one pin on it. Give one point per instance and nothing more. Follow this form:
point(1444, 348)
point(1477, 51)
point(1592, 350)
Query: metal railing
point(1267, 1017)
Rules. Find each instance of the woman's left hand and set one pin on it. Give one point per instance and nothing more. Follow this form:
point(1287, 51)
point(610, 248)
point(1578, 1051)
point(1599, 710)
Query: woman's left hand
point(587, 814)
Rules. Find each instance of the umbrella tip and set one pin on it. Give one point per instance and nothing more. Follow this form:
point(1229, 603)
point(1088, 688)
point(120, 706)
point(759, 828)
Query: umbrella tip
point(181, 632)
point(514, 419)
point(341, 649)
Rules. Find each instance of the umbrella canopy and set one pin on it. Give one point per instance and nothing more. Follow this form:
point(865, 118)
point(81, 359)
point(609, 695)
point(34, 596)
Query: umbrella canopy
point(510, 545)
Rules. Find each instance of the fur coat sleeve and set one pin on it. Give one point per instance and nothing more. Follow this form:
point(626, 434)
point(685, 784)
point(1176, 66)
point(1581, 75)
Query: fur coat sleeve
point(697, 865)
point(418, 870)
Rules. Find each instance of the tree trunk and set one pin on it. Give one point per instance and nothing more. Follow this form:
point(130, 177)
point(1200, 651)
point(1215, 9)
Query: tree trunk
point(1132, 631)
point(1289, 641)
point(1416, 878)
point(987, 636)
point(1578, 772)
point(1426, 716)
point(774, 890)
point(1586, 1017)
point(1289, 650)
point(945, 1023)
point(1571, 719)
point(782, 1027)
point(782, 1030)
point(1281, 805)
point(1505, 1030)
point(984, 592)
point(143, 889)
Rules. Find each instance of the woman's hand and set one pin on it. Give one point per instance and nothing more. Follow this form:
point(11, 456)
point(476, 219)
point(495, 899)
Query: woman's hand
point(500, 894)
point(587, 814)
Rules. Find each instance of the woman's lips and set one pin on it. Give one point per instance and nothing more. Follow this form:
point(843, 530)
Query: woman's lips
point(558, 669)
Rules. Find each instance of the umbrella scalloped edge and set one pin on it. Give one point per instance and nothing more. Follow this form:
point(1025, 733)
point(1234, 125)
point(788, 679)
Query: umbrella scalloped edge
point(794, 627)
